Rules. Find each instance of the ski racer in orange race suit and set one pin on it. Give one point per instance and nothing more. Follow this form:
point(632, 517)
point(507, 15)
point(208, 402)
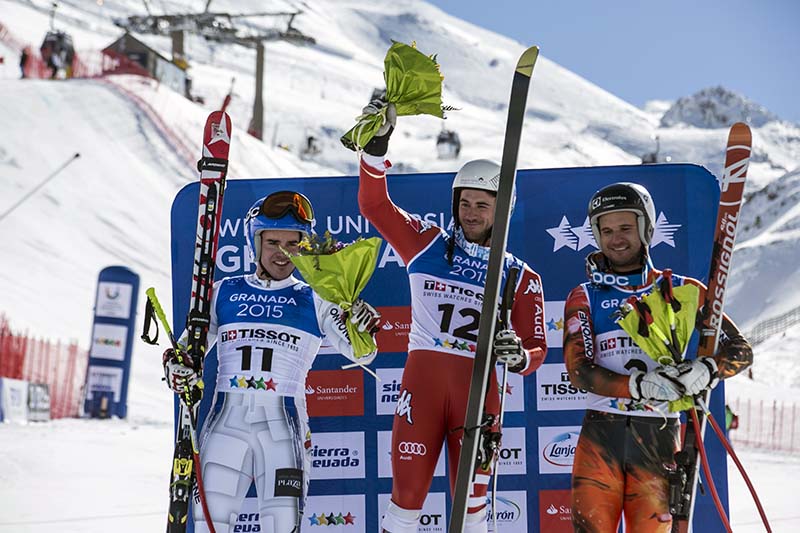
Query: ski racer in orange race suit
point(628, 438)
point(447, 276)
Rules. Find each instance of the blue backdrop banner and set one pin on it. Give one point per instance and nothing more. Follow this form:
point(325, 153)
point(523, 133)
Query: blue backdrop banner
point(351, 413)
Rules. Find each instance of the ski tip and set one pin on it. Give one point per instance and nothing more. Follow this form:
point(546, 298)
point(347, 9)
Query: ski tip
point(740, 134)
point(527, 60)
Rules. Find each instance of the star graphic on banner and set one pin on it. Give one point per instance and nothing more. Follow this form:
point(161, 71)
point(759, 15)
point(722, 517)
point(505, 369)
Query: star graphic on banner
point(242, 383)
point(260, 384)
point(251, 383)
point(322, 520)
point(563, 236)
point(463, 346)
point(472, 348)
point(664, 232)
point(349, 519)
point(234, 382)
point(509, 388)
point(437, 342)
point(447, 344)
point(271, 385)
point(339, 519)
point(314, 520)
point(585, 235)
point(331, 520)
point(552, 325)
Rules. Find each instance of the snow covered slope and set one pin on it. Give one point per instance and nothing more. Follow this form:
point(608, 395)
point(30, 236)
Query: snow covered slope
point(112, 203)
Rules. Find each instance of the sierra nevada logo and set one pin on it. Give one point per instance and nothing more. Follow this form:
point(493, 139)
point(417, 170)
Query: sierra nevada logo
point(579, 237)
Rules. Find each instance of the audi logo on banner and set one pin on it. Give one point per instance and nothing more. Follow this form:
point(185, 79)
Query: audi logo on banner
point(412, 448)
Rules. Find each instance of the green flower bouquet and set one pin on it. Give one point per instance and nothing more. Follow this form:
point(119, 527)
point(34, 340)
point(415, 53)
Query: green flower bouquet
point(338, 272)
point(413, 85)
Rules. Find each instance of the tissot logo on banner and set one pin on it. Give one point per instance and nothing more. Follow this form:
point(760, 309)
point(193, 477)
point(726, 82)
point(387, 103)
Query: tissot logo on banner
point(554, 392)
point(432, 518)
point(515, 390)
point(554, 327)
point(335, 392)
point(555, 514)
point(337, 455)
point(557, 448)
point(335, 513)
point(387, 390)
point(393, 335)
point(407, 447)
point(567, 235)
point(511, 511)
point(513, 452)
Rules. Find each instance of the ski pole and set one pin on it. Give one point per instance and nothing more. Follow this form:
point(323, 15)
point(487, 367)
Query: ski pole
point(188, 403)
point(48, 178)
point(729, 448)
point(707, 470)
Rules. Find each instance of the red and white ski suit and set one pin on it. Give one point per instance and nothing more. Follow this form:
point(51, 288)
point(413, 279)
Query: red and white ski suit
point(446, 300)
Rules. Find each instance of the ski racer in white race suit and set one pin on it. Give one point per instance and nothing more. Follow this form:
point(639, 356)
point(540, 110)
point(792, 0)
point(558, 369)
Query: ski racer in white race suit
point(268, 327)
point(447, 276)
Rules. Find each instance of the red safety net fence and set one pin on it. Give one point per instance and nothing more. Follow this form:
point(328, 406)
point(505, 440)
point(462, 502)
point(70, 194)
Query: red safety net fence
point(61, 366)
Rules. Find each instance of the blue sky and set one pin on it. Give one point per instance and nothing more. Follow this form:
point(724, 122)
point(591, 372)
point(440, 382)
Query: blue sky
point(642, 50)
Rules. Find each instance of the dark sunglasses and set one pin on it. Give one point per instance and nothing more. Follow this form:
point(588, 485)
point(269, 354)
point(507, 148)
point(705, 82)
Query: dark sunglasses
point(276, 205)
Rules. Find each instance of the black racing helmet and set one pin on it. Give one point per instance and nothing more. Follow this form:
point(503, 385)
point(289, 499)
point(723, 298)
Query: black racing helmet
point(624, 196)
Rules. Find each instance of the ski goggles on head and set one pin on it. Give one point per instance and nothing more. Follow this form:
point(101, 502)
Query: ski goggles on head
point(277, 204)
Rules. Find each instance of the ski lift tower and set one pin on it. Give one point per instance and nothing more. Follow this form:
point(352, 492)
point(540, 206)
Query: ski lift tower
point(291, 35)
point(219, 27)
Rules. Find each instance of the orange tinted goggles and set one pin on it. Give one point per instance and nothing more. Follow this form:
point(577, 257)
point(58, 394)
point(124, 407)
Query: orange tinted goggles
point(276, 205)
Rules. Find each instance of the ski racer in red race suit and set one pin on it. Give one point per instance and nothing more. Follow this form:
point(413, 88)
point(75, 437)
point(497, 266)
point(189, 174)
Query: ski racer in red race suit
point(628, 438)
point(447, 276)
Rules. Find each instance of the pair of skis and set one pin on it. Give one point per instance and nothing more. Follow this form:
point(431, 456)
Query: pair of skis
point(186, 474)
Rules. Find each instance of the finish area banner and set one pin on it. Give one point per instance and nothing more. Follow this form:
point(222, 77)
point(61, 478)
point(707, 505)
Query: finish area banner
point(351, 413)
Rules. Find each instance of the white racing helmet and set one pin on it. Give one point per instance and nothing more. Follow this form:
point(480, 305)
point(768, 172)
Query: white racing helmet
point(482, 174)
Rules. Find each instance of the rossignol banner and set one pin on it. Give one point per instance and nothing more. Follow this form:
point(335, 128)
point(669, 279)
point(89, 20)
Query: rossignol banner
point(351, 412)
point(112, 343)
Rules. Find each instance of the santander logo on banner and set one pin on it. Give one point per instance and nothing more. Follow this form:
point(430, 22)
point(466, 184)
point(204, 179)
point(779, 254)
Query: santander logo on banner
point(555, 513)
point(335, 392)
point(393, 335)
